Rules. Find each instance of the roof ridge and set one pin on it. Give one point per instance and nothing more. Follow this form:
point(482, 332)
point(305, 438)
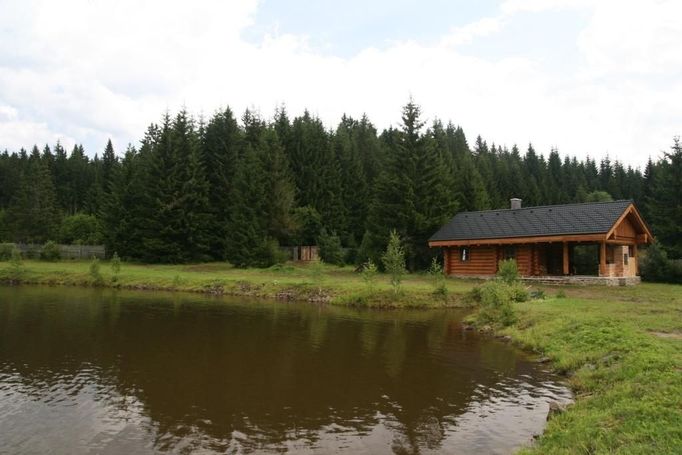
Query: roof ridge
point(547, 206)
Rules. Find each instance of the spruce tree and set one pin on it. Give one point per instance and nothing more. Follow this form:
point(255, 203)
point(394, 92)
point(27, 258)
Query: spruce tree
point(33, 216)
point(221, 144)
point(247, 240)
point(666, 205)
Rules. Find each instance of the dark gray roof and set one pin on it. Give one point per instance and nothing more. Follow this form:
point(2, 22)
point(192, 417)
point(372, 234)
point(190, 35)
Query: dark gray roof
point(566, 219)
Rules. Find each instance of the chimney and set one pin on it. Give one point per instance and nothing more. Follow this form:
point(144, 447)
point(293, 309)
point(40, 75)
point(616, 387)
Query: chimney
point(515, 203)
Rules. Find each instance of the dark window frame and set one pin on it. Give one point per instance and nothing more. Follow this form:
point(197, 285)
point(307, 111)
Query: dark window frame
point(464, 254)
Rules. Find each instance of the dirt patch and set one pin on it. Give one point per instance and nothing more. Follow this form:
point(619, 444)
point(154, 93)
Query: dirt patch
point(209, 267)
point(673, 335)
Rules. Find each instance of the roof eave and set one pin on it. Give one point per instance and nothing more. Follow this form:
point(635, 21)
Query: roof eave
point(589, 237)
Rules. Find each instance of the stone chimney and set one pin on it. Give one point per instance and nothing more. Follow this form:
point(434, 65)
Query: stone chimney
point(515, 203)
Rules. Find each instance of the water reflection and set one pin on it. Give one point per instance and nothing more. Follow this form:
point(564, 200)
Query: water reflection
point(105, 371)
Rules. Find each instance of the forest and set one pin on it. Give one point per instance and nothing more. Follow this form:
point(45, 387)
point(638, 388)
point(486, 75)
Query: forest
point(229, 189)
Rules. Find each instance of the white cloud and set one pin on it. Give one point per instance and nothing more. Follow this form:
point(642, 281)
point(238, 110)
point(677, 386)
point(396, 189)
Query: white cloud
point(467, 33)
point(93, 69)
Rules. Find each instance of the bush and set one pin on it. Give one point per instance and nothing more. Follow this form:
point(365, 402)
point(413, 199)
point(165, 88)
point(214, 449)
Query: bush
point(366, 250)
point(80, 229)
point(561, 294)
point(508, 271)
point(537, 294)
point(598, 196)
point(16, 264)
point(369, 275)
point(394, 261)
point(95, 273)
point(50, 252)
point(272, 253)
point(438, 279)
point(115, 266)
point(496, 304)
point(655, 266)
point(518, 292)
point(6, 251)
point(330, 247)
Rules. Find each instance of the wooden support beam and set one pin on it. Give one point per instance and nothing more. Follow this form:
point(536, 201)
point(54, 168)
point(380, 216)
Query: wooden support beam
point(446, 260)
point(602, 259)
point(636, 258)
point(566, 271)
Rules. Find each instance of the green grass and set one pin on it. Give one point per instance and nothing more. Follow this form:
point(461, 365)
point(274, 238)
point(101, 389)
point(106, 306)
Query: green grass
point(622, 351)
point(325, 283)
point(621, 348)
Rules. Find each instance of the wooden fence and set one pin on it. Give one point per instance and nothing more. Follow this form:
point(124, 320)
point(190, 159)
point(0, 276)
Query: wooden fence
point(65, 251)
point(301, 253)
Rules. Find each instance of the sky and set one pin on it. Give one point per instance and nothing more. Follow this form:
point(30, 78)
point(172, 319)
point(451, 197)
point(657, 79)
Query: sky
point(590, 78)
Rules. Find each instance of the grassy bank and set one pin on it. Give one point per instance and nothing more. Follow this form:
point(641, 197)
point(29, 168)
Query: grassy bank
point(317, 282)
point(621, 348)
point(622, 351)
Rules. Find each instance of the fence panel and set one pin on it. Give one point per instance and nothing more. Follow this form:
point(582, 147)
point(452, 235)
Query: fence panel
point(65, 251)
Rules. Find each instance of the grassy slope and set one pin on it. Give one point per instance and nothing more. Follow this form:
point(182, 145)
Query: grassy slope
point(627, 376)
point(622, 349)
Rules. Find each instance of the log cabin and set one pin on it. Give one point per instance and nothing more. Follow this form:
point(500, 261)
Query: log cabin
point(597, 239)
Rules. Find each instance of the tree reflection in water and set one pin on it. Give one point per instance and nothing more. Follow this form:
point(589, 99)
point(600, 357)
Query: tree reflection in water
point(152, 372)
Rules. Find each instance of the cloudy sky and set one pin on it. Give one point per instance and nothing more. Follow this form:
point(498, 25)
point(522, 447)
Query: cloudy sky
point(587, 77)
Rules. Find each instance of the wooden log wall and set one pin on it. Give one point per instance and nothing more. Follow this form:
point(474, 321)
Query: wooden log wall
point(482, 261)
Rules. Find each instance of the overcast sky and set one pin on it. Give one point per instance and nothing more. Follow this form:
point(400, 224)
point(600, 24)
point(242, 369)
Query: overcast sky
point(587, 77)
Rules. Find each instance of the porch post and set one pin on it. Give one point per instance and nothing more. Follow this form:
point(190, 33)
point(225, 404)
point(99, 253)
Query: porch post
point(602, 258)
point(446, 260)
point(635, 256)
point(566, 258)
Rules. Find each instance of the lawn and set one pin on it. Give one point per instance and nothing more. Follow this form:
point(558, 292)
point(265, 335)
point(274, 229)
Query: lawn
point(621, 349)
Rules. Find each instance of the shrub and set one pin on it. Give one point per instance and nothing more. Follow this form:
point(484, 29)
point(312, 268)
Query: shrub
point(496, 304)
point(6, 251)
point(394, 261)
point(272, 253)
point(369, 274)
point(508, 271)
point(438, 279)
point(598, 196)
point(115, 263)
point(16, 264)
point(561, 294)
point(654, 265)
point(330, 247)
point(518, 292)
point(366, 250)
point(537, 294)
point(80, 229)
point(115, 266)
point(95, 273)
point(50, 252)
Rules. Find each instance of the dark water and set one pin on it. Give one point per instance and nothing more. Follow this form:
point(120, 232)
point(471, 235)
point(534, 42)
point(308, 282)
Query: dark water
point(87, 371)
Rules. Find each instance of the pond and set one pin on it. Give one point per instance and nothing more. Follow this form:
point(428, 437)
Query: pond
point(106, 371)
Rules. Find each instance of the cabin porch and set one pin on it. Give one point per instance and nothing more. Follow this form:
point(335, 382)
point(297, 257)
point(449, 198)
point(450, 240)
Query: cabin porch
point(604, 259)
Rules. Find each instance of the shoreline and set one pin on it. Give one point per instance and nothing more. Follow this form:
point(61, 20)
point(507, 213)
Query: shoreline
point(332, 285)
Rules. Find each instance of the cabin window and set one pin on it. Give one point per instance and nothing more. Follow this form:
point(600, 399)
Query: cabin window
point(509, 252)
point(631, 250)
point(464, 254)
point(626, 257)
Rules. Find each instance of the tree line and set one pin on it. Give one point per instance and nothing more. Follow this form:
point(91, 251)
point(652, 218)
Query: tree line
point(235, 190)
